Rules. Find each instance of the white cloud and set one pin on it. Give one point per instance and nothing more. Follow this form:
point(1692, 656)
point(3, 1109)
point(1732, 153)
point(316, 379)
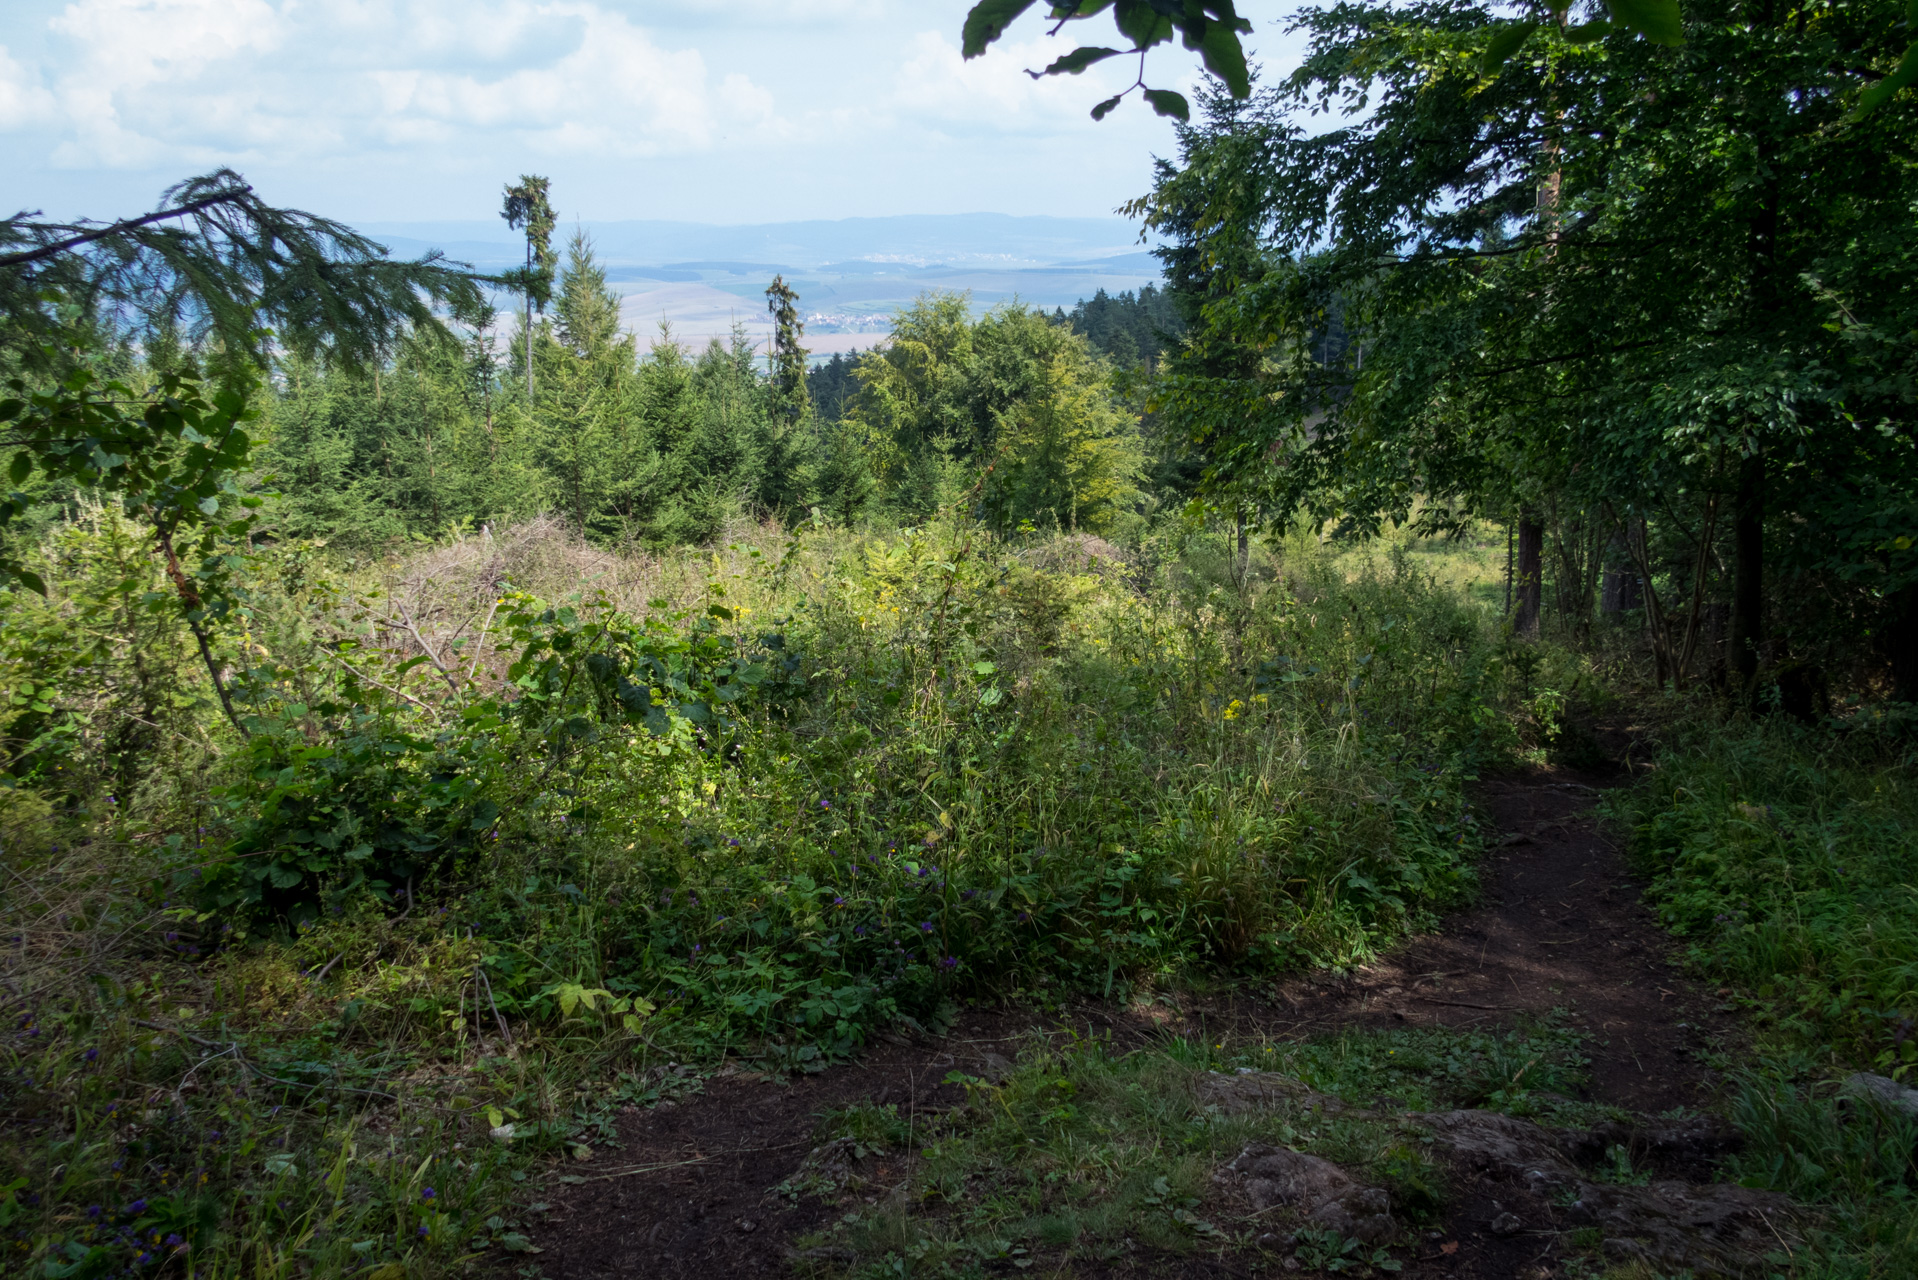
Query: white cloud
point(148, 83)
point(23, 99)
point(996, 92)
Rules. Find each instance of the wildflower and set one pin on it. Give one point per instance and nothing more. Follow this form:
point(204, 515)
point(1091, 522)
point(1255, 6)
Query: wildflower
point(1024, 916)
point(427, 1193)
point(925, 926)
point(92, 1055)
point(93, 1211)
point(839, 902)
point(859, 929)
point(137, 1207)
point(174, 1241)
point(824, 805)
point(950, 962)
point(422, 1231)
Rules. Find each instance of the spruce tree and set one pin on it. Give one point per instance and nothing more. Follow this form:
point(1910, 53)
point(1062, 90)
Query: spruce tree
point(526, 206)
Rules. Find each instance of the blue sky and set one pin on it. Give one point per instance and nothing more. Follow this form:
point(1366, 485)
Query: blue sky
point(728, 111)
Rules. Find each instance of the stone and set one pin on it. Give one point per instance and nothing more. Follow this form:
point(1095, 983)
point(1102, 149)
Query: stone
point(994, 1067)
point(1881, 1089)
point(1708, 1229)
point(1245, 1092)
point(827, 1169)
point(1364, 1214)
point(1277, 1175)
point(1328, 1196)
point(1490, 1142)
point(1507, 1224)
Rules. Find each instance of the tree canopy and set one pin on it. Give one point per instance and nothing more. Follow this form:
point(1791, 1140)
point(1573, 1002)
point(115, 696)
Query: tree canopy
point(1639, 279)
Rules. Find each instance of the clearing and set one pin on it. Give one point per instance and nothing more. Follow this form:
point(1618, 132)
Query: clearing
point(741, 1179)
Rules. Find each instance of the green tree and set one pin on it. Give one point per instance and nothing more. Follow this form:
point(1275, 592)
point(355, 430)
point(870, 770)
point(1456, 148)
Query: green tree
point(525, 205)
point(588, 438)
point(950, 395)
point(1654, 286)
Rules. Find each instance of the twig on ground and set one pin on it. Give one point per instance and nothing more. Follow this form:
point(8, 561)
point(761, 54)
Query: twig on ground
point(1460, 1004)
point(233, 1047)
point(504, 1033)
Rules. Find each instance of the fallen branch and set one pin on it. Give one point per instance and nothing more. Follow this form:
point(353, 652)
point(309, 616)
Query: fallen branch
point(1460, 1004)
point(233, 1047)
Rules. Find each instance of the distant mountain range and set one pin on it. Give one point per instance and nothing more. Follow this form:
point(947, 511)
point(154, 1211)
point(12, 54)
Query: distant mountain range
point(994, 240)
point(851, 274)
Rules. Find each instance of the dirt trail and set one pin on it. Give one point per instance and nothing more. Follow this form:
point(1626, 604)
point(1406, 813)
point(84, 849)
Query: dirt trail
point(1559, 926)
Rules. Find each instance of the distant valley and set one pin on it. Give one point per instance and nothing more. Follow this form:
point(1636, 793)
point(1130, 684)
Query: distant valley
point(851, 274)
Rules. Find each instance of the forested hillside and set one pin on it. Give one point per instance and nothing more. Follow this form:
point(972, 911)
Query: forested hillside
point(446, 731)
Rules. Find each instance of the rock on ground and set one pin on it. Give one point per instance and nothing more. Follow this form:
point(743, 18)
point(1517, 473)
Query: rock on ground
point(1710, 1229)
point(1327, 1195)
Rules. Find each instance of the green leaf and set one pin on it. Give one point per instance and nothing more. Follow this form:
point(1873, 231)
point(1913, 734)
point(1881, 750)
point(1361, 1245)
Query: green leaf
point(988, 21)
point(1168, 103)
point(1656, 20)
point(22, 467)
point(1505, 42)
point(30, 580)
point(1076, 61)
point(1587, 32)
point(720, 611)
point(1225, 58)
point(983, 668)
point(1905, 74)
point(1104, 109)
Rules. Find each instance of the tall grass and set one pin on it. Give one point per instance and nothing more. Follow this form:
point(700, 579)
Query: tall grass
point(1784, 854)
point(973, 764)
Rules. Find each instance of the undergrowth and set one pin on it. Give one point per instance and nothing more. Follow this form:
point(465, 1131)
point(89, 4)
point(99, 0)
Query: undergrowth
point(1086, 1155)
point(505, 849)
point(1782, 854)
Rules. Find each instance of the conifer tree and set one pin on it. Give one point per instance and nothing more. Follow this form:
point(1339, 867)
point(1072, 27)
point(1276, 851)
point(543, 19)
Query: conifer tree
point(787, 357)
point(780, 448)
point(526, 206)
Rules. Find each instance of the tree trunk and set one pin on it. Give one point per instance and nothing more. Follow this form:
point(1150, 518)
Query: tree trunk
point(1529, 573)
point(1508, 569)
point(1243, 566)
point(1903, 635)
point(1748, 576)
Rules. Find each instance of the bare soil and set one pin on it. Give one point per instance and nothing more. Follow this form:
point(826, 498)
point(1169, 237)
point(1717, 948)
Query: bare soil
point(1559, 926)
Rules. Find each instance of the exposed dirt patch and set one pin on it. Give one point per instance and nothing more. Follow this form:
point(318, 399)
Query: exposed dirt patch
point(1559, 927)
point(692, 1192)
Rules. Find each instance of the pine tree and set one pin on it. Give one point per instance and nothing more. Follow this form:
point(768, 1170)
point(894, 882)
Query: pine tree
point(526, 206)
point(586, 434)
point(788, 357)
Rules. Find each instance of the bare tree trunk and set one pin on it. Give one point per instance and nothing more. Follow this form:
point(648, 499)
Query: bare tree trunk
point(1243, 565)
point(1748, 576)
point(1531, 564)
point(1639, 544)
point(1903, 635)
point(1508, 569)
point(1695, 613)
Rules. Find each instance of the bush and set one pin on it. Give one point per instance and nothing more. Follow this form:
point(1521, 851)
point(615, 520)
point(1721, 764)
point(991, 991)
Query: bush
point(1784, 854)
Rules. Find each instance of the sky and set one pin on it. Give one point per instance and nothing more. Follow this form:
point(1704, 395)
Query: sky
point(717, 111)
